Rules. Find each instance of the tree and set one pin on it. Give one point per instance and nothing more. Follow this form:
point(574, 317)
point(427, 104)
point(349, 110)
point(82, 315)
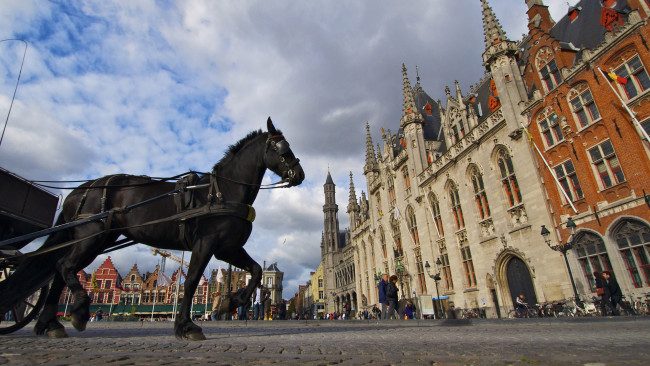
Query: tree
point(292, 306)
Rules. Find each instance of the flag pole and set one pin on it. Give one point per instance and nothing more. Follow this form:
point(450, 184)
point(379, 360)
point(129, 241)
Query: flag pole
point(636, 121)
point(432, 217)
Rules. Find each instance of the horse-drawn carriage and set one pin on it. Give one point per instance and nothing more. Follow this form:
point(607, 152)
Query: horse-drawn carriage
point(24, 209)
point(209, 214)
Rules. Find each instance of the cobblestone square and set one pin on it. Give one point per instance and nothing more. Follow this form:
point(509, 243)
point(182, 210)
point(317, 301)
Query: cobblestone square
point(575, 341)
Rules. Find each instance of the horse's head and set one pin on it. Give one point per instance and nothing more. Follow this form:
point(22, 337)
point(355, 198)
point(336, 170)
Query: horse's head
point(280, 159)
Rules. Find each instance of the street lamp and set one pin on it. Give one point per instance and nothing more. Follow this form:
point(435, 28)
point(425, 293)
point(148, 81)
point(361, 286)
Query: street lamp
point(564, 248)
point(436, 278)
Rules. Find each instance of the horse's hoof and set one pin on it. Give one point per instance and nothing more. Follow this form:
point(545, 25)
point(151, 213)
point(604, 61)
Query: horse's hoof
point(57, 333)
point(195, 336)
point(78, 324)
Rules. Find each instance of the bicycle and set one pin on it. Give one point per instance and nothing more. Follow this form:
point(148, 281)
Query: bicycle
point(528, 312)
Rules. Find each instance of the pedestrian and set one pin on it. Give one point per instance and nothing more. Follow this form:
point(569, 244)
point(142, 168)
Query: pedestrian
point(99, 314)
point(282, 310)
point(348, 309)
point(267, 304)
point(392, 298)
point(381, 290)
point(616, 296)
point(603, 293)
point(409, 310)
point(258, 304)
point(376, 313)
point(522, 306)
point(242, 310)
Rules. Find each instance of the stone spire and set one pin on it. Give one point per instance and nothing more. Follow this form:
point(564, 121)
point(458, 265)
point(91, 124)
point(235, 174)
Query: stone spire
point(371, 158)
point(530, 3)
point(353, 206)
point(491, 27)
point(410, 112)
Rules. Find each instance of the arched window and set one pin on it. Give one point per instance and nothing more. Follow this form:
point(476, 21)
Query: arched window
point(455, 206)
point(592, 255)
point(508, 178)
point(583, 105)
point(413, 226)
point(549, 128)
point(420, 271)
point(391, 190)
point(407, 180)
point(479, 193)
point(397, 238)
point(547, 68)
point(633, 239)
point(435, 212)
point(382, 238)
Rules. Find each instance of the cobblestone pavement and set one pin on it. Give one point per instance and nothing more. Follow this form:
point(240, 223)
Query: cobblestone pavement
point(584, 341)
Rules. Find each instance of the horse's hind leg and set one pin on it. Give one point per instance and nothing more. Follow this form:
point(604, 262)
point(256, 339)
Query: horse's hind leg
point(47, 321)
point(240, 258)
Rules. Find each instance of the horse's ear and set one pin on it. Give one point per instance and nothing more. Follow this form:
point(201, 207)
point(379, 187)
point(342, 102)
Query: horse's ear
point(270, 127)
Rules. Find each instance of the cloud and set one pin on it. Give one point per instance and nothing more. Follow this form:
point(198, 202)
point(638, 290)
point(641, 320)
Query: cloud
point(158, 88)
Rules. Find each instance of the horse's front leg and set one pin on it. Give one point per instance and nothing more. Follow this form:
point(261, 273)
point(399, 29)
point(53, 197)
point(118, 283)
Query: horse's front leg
point(184, 328)
point(47, 321)
point(240, 258)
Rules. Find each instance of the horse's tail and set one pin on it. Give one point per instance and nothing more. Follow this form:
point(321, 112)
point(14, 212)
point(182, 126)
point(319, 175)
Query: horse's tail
point(33, 272)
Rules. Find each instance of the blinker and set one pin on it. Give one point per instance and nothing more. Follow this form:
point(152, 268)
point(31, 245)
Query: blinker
point(282, 147)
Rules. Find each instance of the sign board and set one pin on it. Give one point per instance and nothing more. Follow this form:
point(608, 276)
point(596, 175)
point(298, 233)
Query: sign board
point(426, 305)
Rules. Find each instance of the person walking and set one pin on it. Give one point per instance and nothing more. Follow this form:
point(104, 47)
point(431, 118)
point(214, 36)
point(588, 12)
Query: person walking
point(616, 295)
point(381, 291)
point(603, 293)
point(392, 298)
point(242, 310)
point(258, 303)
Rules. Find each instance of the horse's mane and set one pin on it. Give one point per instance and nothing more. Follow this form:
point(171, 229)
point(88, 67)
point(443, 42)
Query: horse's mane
point(234, 148)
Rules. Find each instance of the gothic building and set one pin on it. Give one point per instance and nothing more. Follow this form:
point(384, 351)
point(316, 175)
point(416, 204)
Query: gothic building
point(463, 187)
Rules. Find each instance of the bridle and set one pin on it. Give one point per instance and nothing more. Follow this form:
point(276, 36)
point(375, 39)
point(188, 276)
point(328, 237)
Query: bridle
point(280, 145)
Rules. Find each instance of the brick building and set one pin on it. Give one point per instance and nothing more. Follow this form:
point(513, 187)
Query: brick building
point(598, 169)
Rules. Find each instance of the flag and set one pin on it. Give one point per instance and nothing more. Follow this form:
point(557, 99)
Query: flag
point(164, 280)
point(219, 275)
point(396, 212)
point(202, 281)
point(615, 77)
point(93, 282)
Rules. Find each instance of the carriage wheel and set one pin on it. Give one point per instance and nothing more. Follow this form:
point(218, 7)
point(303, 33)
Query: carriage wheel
point(24, 311)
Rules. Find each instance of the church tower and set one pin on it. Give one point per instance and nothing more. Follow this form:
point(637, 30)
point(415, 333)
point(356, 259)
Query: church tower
point(331, 211)
point(499, 59)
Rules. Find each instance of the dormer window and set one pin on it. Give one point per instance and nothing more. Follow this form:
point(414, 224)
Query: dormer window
point(573, 12)
point(609, 3)
point(549, 73)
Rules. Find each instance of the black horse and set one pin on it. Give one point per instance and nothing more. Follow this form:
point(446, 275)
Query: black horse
point(230, 188)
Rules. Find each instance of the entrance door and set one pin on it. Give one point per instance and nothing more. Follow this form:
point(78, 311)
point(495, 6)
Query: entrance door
point(519, 281)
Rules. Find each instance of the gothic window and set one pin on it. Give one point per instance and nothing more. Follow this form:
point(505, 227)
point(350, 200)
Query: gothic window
point(606, 164)
point(635, 74)
point(455, 206)
point(420, 271)
point(468, 265)
point(592, 256)
point(508, 178)
point(379, 210)
point(479, 193)
point(413, 226)
point(435, 212)
point(547, 68)
point(454, 135)
point(391, 190)
point(633, 239)
point(397, 238)
point(583, 106)
point(568, 178)
point(446, 271)
point(382, 238)
point(549, 127)
point(107, 284)
point(407, 180)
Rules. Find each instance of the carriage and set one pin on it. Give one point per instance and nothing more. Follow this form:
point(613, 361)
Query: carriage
point(24, 209)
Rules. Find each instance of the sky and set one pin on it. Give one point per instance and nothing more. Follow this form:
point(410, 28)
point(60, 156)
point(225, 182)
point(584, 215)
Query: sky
point(159, 87)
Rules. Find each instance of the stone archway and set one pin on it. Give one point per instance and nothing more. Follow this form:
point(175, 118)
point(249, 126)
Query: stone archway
point(519, 280)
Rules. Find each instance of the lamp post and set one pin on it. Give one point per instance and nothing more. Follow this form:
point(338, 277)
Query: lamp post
point(564, 248)
point(436, 278)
